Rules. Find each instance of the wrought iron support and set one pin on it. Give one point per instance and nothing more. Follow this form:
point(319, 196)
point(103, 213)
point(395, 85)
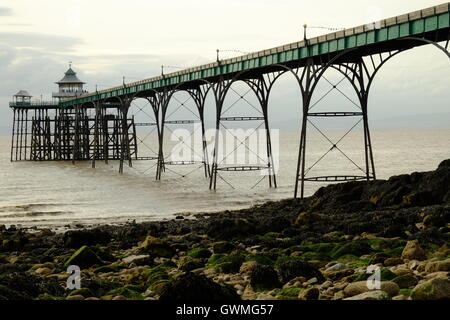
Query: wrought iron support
point(261, 86)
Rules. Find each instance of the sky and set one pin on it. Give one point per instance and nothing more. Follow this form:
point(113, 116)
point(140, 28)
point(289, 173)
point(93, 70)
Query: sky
point(108, 39)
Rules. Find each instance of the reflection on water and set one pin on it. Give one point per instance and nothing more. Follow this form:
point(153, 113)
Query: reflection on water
point(59, 193)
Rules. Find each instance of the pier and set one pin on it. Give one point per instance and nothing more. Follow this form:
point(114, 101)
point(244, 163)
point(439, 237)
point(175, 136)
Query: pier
point(100, 126)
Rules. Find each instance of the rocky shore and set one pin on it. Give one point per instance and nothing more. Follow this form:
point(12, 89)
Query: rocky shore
point(318, 248)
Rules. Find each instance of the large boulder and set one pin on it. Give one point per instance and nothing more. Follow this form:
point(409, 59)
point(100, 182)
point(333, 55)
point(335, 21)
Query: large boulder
point(297, 268)
point(84, 258)
point(435, 289)
point(413, 251)
point(264, 278)
point(192, 287)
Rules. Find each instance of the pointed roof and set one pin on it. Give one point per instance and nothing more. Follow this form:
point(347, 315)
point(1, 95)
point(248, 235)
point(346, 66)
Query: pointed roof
point(70, 76)
point(22, 93)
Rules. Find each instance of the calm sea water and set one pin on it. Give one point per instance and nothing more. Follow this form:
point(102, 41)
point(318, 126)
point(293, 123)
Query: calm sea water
point(60, 193)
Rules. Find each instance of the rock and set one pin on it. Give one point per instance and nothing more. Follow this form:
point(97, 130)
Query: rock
point(357, 248)
point(264, 278)
point(309, 294)
point(25, 286)
point(43, 271)
point(339, 295)
point(406, 281)
point(192, 287)
point(337, 267)
point(138, 260)
point(390, 262)
point(247, 267)
point(400, 298)
point(85, 292)
point(222, 247)
point(435, 289)
point(91, 237)
point(337, 275)
point(327, 284)
point(201, 253)
point(296, 268)
point(75, 297)
point(229, 228)
point(436, 266)
point(157, 247)
point(119, 298)
point(307, 218)
point(413, 251)
point(92, 299)
point(370, 295)
point(83, 258)
point(187, 263)
point(359, 287)
point(439, 274)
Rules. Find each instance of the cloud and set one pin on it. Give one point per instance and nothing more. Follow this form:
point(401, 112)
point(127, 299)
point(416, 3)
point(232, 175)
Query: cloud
point(4, 11)
point(39, 41)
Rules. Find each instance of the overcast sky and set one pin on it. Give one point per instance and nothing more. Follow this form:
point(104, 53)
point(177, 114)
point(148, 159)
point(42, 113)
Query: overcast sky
point(108, 39)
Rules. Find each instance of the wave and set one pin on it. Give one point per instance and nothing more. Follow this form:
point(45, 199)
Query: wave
point(26, 207)
point(33, 214)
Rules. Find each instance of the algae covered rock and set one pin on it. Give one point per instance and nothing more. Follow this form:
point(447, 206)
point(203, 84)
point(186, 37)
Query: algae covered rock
point(192, 287)
point(84, 258)
point(264, 278)
point(223, 247)
point(435, 289)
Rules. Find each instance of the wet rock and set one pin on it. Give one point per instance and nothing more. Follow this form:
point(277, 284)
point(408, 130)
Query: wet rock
point(192, 287)
point(435, 289)
point(413, 251)
point(84, 258)
point(156, 247)
point(296, 268)
point(371, 295)
point(264, 278)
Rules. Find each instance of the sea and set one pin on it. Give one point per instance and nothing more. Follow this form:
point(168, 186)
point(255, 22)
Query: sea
point(65, 194)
